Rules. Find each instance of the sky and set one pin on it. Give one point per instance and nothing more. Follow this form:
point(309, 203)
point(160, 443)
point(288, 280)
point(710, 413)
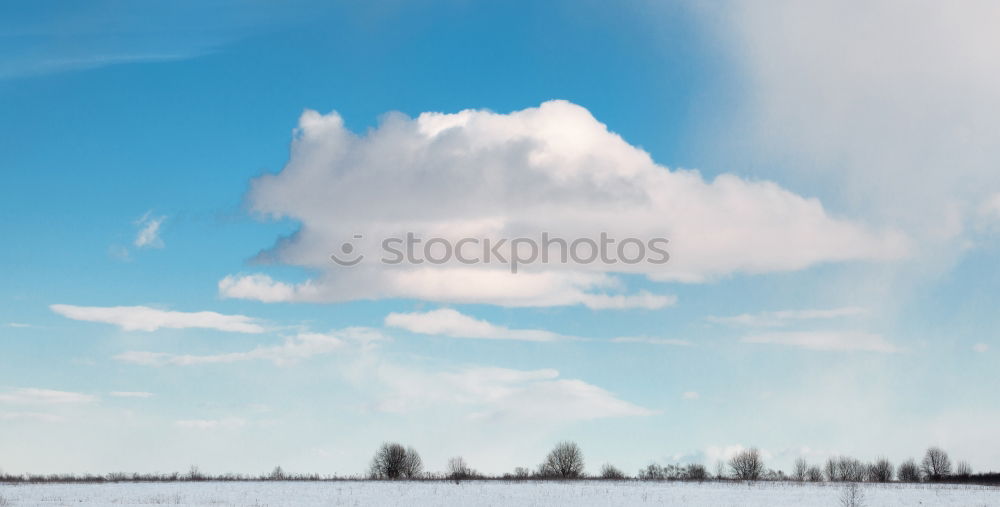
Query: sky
point(177, 175)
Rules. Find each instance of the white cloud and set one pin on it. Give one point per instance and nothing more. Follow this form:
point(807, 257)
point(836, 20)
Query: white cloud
point(784, 317)
point(501, 394)
point(31, 417)
point(211, 424)
point(449, 322)
point(18, 325)
point(148, 235)
point(296, 348)
point(651, 341)
point(981, 347)
point(131, 394)
point(826, 340)
point(690, 395)
point(891, 104)
point(554, 168)
point(144, 318)
point(35, 396)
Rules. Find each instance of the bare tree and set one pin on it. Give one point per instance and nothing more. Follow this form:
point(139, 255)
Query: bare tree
point(609, 471)
point(800, 469)
point(936, 465)
point(830, 470)
point(393, 461)
point(695, 472)
point(278, 474)
point(652, 472)
point(850, 469)
point(963, 469)
point(880, 471)
point(720, 470)
point(458, 469)
point(814, 474)
point(521, 473)
point(908, 471)
point(413, 466)
point(564, 461)
point(747, 465)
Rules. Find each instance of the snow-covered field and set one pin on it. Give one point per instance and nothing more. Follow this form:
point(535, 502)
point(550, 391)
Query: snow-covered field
point(490, 493)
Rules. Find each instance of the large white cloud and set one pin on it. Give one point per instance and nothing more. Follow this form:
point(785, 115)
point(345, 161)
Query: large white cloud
point(553, 169)
point(893, 106)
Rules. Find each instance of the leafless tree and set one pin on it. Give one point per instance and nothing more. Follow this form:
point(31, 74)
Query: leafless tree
point(830, 470)
point(393, 461)
point(278, 474)
point(880, 471)
point(814, 474)
point(747, 465)
point(564, 461)
point(720, 470)
point(609, 471)
point(458, 469)
point(850, 469)
point(936, 465)
point(800, 469)
point(695, 472)
point(522, 473)
point(908, 471)
point(963, 469)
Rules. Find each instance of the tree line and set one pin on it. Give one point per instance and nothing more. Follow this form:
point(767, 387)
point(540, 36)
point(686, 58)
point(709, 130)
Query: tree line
point(394, 461)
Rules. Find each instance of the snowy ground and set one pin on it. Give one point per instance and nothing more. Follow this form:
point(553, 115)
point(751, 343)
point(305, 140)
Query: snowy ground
point(493, 493)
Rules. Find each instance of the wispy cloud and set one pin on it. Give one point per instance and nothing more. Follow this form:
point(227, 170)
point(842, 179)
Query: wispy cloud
point(981, 347)
point(826, 341)
point(651, 341)
point(498, 394)
point(211, 424)
point(18, 325)
point(131, 394)
point(148, 235)
point(449, 322)
point(296, 348)
point(31, 417)
point(144, 318)
point(690, 395)
point(785, 317)
point(36, 396)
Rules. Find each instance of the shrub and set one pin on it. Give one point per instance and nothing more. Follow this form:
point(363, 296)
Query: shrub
point(609, 471)
point(908, 471)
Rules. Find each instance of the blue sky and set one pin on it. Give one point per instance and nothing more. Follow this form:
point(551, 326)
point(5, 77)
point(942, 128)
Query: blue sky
point(831, 290)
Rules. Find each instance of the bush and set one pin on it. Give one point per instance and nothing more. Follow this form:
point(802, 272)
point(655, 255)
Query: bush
point(908, 471)
point(609, 471)
point(393, 461)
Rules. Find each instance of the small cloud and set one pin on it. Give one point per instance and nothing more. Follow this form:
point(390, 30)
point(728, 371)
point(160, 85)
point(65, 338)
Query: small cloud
point(651, 341)
point(149, 231)
point(35, 396)
point(785, 317)
point(448, 322)
point(826, 341)
point(981, 347)
point(30, 417)
point(690, 395)
point(295, 348)
point(131, 394)
point(144, 318)
point(211, 424)
point(18, 325)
